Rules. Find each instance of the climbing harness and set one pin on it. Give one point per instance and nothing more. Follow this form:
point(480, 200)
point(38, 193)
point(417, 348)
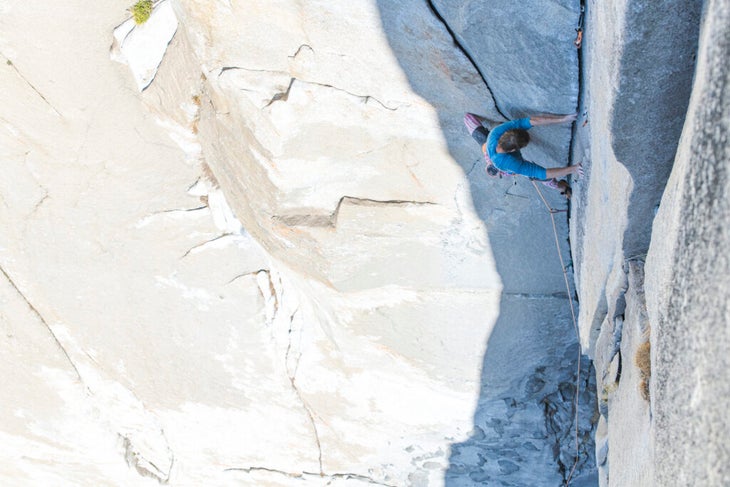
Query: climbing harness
point(552, 213)
point(579, 31)
point(492, 170)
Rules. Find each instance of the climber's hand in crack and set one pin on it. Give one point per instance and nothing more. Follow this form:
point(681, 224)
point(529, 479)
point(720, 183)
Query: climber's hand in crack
point(559, 172)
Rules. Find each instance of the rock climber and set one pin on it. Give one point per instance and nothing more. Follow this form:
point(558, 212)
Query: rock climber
point(501, 148)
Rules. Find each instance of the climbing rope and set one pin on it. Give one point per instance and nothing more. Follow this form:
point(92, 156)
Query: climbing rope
point(552, 212)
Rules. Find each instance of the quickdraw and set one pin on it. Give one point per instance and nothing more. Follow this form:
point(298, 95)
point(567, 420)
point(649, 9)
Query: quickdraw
point(579, 31)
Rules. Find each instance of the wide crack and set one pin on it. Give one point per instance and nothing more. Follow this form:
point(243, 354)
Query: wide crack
point(466, 53)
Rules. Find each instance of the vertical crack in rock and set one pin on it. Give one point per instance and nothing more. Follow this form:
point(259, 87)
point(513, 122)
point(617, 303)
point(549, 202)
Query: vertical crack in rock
point(579, 102)
point(8, 62)
point(40, 317)
point(292, 374)
point(273, 302)
point(466, 53)
point(268, 292)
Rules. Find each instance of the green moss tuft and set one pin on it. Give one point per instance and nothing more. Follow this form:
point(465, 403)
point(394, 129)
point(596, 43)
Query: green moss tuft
point(141, 11)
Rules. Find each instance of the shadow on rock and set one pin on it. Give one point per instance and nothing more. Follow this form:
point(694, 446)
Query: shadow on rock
point(651, 103)
point(524, 422)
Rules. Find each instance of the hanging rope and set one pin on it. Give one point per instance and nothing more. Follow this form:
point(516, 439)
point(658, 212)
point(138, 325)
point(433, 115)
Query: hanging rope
point(552, 212)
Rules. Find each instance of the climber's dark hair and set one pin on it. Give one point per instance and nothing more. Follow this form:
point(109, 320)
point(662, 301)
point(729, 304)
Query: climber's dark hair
point(514, 139)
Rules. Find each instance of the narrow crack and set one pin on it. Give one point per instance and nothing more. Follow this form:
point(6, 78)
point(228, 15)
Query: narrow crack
point(466, 53)
point(293, 380)
point(507, 193)
point(179, 210)
point(330, 221)
point(305, 475)
point(203, 244)
point(468, 173)
point(299, 357)
point(303, 46)
point(246, 274)
point(356, 201)
point(292, 475)
point(284, 96)
point(40, 317)
point(38, 205)
point(268, 292)
point(12, 65)
point(131, 456)
point(348, 476)
point(249, 70)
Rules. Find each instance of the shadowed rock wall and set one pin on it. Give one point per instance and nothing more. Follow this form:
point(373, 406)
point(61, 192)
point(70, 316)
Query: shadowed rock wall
point(658, 346)
point(526, 56)
point(640, 62)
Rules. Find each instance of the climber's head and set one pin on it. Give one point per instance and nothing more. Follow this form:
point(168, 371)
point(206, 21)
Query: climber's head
point(513, 140)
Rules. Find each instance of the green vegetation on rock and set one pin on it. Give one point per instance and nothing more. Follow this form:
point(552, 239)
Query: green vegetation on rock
point(141, 11)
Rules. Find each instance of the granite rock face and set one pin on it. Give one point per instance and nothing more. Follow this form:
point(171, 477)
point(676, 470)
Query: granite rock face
point(533, 399)
point(525, 52)
point(656, 331)
point(346, 233)
point(267, 254)
point(638, 93)
point(624, 446)
point(120, 322)
point(687, 280)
